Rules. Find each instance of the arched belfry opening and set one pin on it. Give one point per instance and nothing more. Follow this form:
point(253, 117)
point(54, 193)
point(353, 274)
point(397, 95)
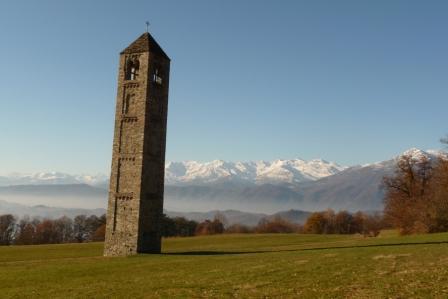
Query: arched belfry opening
point(132, 68)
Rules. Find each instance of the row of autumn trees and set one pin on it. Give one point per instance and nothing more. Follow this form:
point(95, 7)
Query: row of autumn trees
point(27, 231)
point(343, 222)
point(327, 222)
point(416, 198)
point(83, 228)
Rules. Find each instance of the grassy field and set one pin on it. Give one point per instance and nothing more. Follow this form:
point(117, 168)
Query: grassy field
point(287, 266)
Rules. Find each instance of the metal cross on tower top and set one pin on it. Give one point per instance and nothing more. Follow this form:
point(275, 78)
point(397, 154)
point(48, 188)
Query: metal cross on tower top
point(147, 26)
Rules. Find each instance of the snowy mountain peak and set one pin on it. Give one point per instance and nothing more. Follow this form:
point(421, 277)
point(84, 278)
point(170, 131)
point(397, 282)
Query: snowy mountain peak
point(418, 154)
point(414, 152)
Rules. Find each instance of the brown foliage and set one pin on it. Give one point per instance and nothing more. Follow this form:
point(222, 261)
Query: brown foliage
point(46, 233)
point(343, 222)
point(416, 198)
point(99, 233)
point(368, 225)
point(438, 203)
point(26, 232)
point(317, 223)
point(277, 225)
point(210, 227)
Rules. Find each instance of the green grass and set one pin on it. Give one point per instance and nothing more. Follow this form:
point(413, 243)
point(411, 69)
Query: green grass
point(287, 266)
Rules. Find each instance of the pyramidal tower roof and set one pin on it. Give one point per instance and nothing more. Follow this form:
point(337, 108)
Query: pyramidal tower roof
point(145, 43)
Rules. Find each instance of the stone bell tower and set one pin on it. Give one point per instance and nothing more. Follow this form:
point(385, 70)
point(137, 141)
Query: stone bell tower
point(135, 203)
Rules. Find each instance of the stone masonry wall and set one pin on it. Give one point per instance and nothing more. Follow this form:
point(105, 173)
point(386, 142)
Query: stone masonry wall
point(135, 204)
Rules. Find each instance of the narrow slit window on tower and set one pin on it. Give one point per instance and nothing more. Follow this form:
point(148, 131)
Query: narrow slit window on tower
point(157, 77)
point(127, 103)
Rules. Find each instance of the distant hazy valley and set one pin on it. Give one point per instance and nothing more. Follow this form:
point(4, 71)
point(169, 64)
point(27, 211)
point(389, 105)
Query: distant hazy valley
point(255, 187)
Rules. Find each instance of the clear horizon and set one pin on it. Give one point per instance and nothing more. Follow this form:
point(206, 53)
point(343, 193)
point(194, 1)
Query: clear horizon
point(347, 82)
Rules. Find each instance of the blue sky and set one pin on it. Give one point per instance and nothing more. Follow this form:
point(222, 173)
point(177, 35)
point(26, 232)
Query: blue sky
point(348, 81)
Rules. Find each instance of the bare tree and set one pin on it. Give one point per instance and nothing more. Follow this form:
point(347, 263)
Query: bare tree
point(64, 229)
point(46, 233)
point(80, 228)
point(221, 218)
point(407, 194)
point(7, 229)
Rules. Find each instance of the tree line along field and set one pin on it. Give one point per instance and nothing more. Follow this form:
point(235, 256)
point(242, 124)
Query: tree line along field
point(235, 265)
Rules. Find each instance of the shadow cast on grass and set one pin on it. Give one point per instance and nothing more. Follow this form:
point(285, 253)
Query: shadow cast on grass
point(204, 253)
point(215, 252)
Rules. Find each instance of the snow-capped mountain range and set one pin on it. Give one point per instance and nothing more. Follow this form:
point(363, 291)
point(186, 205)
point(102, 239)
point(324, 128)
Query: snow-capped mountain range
point(277, 172)
point(261, 172)
point(193, 172)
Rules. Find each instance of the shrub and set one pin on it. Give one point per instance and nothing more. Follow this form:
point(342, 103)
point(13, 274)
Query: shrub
point(276, 225)
point(210, 227)
point(178, 227)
